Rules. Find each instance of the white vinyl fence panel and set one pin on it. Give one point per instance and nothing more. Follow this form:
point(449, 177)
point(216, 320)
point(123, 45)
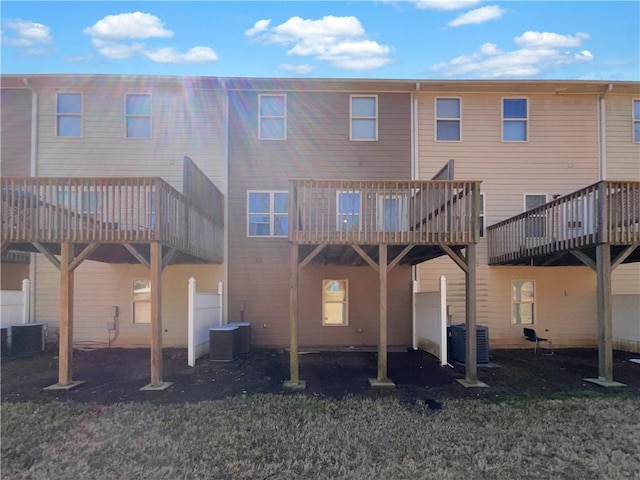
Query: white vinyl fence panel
point(14, 305)
point(205, 312)
point(430, 310)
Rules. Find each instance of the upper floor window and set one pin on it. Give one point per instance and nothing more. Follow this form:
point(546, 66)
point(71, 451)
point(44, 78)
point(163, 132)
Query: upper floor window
point(348, 211)
point(138, 115)
point(272, 121)
point(69, 115)
point(268, 214)
point(364, 117)
point(636, 120)
point(448, 119)
point(515, 114)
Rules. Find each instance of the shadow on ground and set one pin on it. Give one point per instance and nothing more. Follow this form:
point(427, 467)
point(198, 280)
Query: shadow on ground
point(116, 374)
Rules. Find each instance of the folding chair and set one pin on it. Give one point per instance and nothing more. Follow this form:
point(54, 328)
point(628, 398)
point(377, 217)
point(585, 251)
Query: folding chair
point(530, 335)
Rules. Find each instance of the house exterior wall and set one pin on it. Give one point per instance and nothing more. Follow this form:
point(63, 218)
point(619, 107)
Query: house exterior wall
point(560, 156)
point(187, 119)
point(623, 163)
point(317, 146)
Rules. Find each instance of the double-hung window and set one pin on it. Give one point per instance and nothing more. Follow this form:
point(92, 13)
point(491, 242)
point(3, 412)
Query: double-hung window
point(348, 211)
point(448, 116)
point(334, 302)
point(69, 115)
point(268, 214)
point(535, 225)
point(272, 121)
point(515, 119)
point(142, 301)
point(364, 117)
point(636, 120)
point(522, 302)
point(138, 115)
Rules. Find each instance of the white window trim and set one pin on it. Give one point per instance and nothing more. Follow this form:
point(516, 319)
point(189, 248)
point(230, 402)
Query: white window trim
point(260, 117)
point(634, 120)
point(435, 124)
point(338, 214)
point(403, 200)
point(81, 115)
point(271, 213)
point(525, 119)
point(351, 118)
point(150, 116)
point(512, 302)
point(346, 303)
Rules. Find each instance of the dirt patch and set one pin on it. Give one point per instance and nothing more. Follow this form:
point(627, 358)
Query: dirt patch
point(116, 374)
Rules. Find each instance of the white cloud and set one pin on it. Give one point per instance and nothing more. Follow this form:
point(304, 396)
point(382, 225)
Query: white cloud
point(297, 69)
point(445, 4)
point(123, 36)
point(117, 51)
point(31, 37)
point(339, 41)
point(135, 25)
point(479, 15)
point(170, 55)
point(533, 39)
point(260, 26)
point(535, 58)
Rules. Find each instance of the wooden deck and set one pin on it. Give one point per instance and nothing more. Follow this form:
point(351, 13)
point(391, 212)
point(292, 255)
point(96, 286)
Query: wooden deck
point(113, 213)
point(606, 212)
point(341, 213)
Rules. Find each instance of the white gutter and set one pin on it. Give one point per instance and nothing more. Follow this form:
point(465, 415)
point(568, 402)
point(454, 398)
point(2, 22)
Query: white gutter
point(33, 171)
point(602, 134)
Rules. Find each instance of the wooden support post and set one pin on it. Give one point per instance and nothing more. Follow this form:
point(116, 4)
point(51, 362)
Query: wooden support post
point(156, 314)
point(470, 309)
point(382, 342)
point(65, 364)
point(471, 353)
point(294, 375)
point(605, 334)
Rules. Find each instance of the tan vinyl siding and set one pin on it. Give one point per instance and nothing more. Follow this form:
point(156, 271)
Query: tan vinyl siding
point(184, 122)
point(15, 131)
point(625, 280)
point(560, 156)
point(98, 286)
point(317, 146)
point(623, 154)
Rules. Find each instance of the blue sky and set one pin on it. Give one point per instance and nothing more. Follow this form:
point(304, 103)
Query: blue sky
point(462, 39)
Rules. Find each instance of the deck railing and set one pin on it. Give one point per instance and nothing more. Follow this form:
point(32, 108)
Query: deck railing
point(106, 210)
point(605, 212)
point(390, 212)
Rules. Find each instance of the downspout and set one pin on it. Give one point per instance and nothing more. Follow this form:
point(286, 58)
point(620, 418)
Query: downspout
point(225, 191)
point(602, 134)
point(33, 171)
point(414, 176)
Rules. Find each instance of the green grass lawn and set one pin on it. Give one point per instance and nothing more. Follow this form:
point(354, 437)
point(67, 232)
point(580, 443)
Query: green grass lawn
point(297, 436)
